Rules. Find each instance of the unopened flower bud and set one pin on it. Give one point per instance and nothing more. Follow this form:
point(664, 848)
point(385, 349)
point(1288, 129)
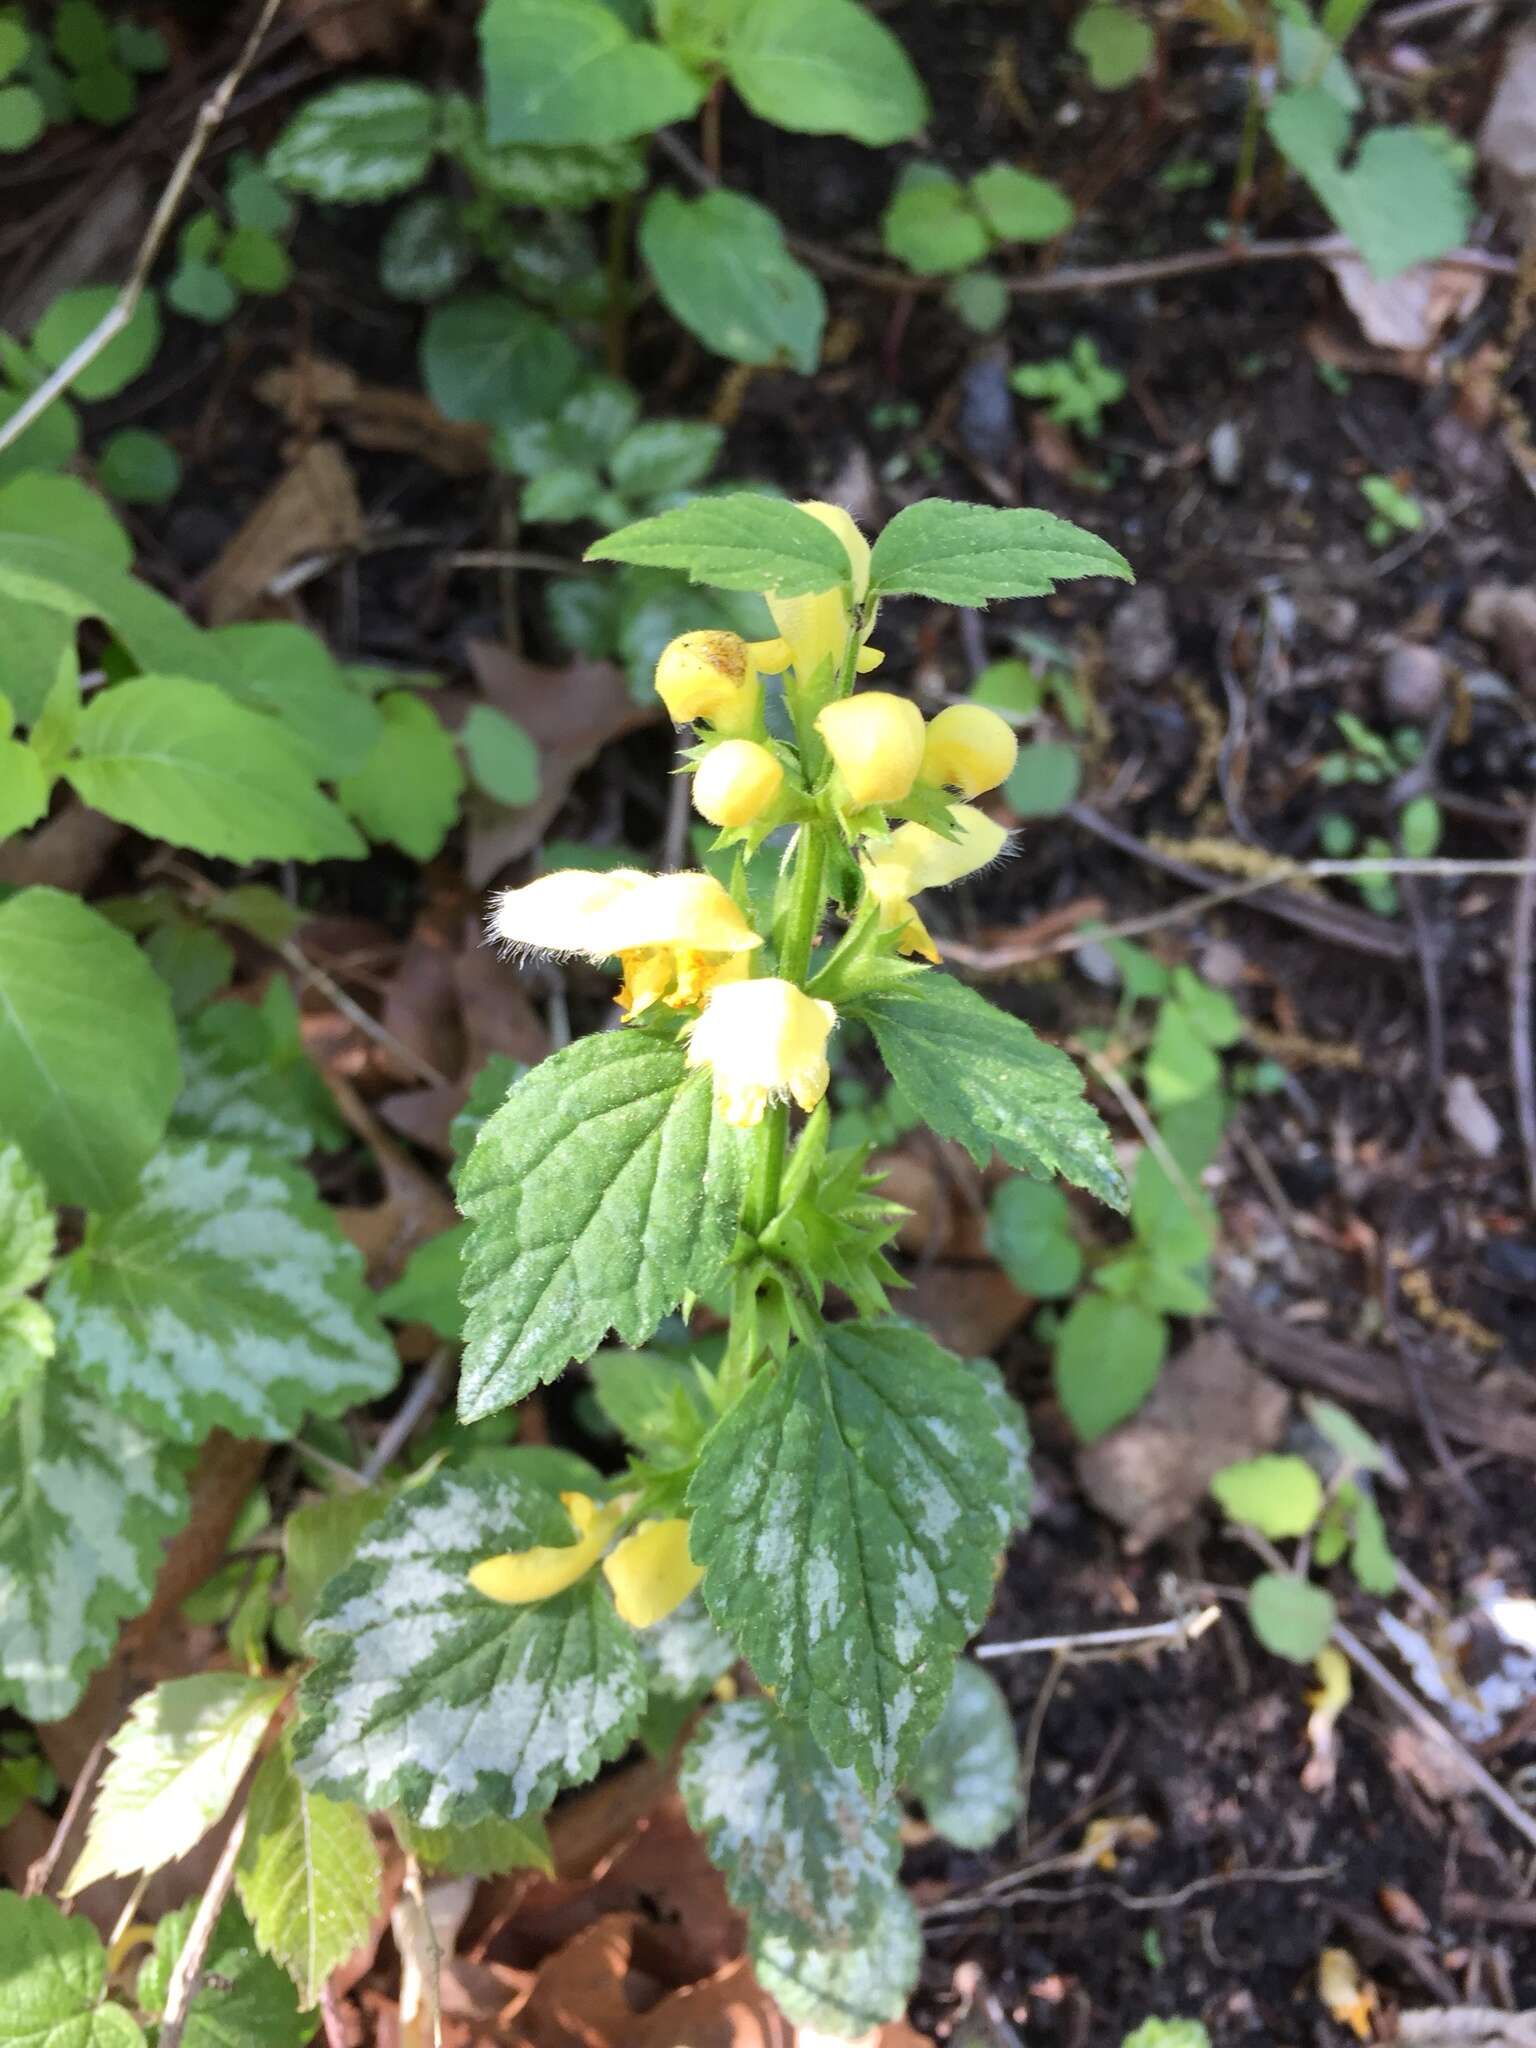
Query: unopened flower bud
point(736, 782)
point(709, 675)
point(876, 740)
point(650, 1573)
point(969, 748)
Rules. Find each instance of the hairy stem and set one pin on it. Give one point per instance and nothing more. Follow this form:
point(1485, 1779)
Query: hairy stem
point(798, 935)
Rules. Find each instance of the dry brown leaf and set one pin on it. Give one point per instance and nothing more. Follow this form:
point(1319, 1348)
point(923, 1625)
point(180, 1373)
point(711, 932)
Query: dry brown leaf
point(571, 714)
point(376, 416)
point(314, 509)
point(589, 1993)
point(728, 2010)
point(1210, 1408)
point(1408, 313)
point(368, 28)
point(970, 1309)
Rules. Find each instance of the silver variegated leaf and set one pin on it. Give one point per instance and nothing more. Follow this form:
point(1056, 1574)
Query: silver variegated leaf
point(685, 1653)
point(428, 1696)
point(967, 1771)
point(87, 1500)
point(222, 1294)
point(848, 1512)
point(844, 1992)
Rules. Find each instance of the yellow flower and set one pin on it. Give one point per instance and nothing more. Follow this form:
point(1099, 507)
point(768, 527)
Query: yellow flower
point(651, 1573)
point(522, 1576)
point(915, 858)
point(969, 748)
point(876, 740)
point(709, 675)
point(815, 628)
point(736, 782)
point(675, 935)
point(765, 1040)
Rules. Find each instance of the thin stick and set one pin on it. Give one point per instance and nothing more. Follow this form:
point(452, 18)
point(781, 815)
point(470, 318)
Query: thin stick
point(187, 1974)
point(1521, 967)
point(1182, 1629)
point(41, 1874)
point(1146, 1130)
point(428, 1386)
point(122, 310)
point(354, 1012)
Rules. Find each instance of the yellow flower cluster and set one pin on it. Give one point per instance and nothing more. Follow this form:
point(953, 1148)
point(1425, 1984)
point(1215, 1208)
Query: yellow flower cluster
point(883, 749)
point(649, 1573)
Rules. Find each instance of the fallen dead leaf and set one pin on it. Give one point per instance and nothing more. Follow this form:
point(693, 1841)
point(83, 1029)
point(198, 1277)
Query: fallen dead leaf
point(314, 509)
point(590, 1992)
point(1507, 143)
point(374, 416)
point(728, 2010)
point(970, 1309)
point(1209, 1409)
point(1408, 313)
point(571, 714)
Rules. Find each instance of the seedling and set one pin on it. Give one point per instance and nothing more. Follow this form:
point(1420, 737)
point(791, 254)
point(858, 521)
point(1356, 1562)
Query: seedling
point(1394, 511)
point(1078, 387)
point(86, 68)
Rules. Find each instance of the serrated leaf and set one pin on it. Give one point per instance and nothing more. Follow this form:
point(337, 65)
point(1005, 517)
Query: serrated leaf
point(87, 1501)
point(176, 1763)
point(845, 1992)
point(274, 666)
point(565, 177)
point(309, 1876)
point(848, 1511)
point(983, 1077)
point(724, 269)
point(1109, 1353)
point(1011, 1428)
point(237, 1087)
point(221, 1294)
point(1290, 1616)
point(53, 1973)
point(739, 541)
point(825, 67)
point(320, 1539)
point(570, 71)
point(428, 1696)
point(684, 1653)
point(27, 1343)
point(27, 1228)
point(88, 1060)
point(968, 554)
point(484, 1849)
point(1279, 1496)
point(967, 1771)
point(802, 1847)
point(602, 1190)
point(360, 141)
point(408, 789)
point(242, 1999)
point(181, 761)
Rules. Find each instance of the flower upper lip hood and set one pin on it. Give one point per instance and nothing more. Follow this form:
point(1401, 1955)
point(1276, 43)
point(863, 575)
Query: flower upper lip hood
point(815, 628)
point(599, 915)
point(765, 1041)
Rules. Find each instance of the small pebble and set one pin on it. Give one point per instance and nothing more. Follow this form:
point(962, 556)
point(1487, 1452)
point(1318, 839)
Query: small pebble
point(1139, 647)
point(1413, 683)
point(1224, 452)
point(1473, 1122)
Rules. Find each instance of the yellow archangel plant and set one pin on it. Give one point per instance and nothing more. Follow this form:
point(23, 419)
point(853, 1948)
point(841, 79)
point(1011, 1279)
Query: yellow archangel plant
point(824, 1480)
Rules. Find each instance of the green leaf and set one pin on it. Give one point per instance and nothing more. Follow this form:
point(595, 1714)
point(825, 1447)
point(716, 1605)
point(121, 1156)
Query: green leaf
point(967, 1771)
point(570, 71)
point(723, 268)
point(664, 455)
point(738, 541)
point(223, 1294)
point(63, 508)
point(848, 1511)
point(502, 758)
point(484, 1849)
point(427, 1291)
point(1010, 1427)
point(360, 141)
point(1339, 1429)
point(27, 1227)
point(1402, 201)
point(557, 496)
point(1029, 1233)
point(428, 1696)
point(425, 252)
point(1108, 1356)
point(684, 1653)
point(309, 1876)
point(408, 789)
point(1044, 780)
point(81, 34)
point(22, 118)
point(845, 1992)
point(273, 666)
point(240, 1086)
point(804, 1851)
point(979, 298)
point(176, 1763)
point(488, 358)
point(23, 787)
point(15, 42)
point(825, 67)
point(655, 1403)
point(966, 554)
point(256, 261)
point(1290, 1616)
point(1180, 1065)
point(1370, 1554)
point(1419, 826)
point(139, 468)
point(242, 1998)
point(55, 1975)
point(930, 223)
point(54, 436)
point(983, 1077)
point(201, 291)
point(256, 201)
point(320, 1539)
point(182, 761)
point(86, 1504)
point(88, 1061)
point(562, 178)
point(1117, 46)
point(1019, 207)
point(73, 315)
point(1168, 2034)
point(1278, 1496)
point(602, 1191)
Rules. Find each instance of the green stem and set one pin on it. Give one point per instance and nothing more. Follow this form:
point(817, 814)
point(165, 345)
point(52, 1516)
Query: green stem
point(801, 919)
